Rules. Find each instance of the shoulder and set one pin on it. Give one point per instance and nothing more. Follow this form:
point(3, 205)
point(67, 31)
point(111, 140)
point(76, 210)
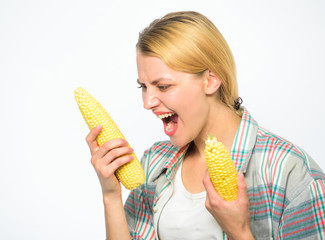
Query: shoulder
point(284, 164)
point(279, 151)
point(269, 142)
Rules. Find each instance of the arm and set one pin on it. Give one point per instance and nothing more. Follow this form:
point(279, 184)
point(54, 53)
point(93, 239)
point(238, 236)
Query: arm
point(105, 160)
point(115, 221)
point(233, 216)
point(304, 216)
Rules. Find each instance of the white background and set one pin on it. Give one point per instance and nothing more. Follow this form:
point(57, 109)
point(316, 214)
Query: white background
point(48, 189)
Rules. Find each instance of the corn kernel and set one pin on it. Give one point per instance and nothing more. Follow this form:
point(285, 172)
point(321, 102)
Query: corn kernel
point(131, 175)
point(221, 168)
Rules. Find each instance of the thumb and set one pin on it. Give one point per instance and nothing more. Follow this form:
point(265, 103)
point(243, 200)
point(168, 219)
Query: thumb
point(241, 184)
point(91, 139)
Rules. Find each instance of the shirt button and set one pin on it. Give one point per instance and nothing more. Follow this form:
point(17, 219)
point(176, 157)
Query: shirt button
point(155, 209)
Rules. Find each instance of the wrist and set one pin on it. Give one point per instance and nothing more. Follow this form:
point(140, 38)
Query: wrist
point(111, 199)
point(246, 236)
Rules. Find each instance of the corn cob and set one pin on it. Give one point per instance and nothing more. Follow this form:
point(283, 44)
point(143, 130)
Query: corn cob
point(221, 168)
point(131, 175)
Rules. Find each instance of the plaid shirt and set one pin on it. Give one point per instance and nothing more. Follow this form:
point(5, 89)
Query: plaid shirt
point(286, 188)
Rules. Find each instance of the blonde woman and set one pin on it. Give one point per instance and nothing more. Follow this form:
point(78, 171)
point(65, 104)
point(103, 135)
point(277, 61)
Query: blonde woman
point(187, 75)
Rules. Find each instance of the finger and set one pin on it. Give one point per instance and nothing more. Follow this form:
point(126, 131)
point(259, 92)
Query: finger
point(115, 154)
point(109, 170)
point(242, 187)
point(91, 139)
point(109, 146)
point(119, 162)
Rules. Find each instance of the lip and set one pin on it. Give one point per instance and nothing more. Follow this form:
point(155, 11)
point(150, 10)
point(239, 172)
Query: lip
point(161, 112)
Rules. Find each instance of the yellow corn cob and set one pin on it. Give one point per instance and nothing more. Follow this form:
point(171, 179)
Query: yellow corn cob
point(221, 168)
point(131, 175)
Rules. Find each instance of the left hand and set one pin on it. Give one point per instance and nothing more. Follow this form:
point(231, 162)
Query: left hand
point(233, 216)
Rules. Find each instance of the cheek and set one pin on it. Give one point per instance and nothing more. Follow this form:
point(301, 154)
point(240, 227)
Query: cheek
point(193, 105)
point(190, 94)
point(196, 98)
point(198, 107)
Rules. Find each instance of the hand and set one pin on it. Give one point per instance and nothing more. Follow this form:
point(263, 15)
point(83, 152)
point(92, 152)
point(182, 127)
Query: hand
point(107, 159)
point(233, 216)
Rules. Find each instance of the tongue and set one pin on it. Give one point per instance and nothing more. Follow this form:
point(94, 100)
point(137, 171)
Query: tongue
point(174, 118)
point(170, 125)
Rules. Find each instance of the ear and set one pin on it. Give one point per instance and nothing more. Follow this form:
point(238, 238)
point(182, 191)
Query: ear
point(212, 83)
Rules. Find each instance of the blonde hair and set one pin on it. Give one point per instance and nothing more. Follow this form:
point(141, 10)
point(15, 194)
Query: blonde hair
point(190, 42)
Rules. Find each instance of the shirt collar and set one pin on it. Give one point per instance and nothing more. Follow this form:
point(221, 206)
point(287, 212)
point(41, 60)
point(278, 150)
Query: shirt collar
point(171, 158)
point(244, 142)
point(172, 165)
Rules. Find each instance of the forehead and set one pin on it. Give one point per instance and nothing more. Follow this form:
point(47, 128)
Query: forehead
point(152, 67)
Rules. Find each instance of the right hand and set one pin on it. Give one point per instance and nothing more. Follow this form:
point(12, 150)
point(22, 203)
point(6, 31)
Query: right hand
point(107, 159)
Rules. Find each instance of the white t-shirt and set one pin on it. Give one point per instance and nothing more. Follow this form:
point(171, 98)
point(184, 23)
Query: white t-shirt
point(185, 216)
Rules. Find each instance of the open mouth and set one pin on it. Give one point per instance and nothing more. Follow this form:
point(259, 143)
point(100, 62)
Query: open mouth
point(170, 121)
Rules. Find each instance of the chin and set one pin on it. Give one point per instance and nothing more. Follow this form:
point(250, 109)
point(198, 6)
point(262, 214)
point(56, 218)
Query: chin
point(179, 142)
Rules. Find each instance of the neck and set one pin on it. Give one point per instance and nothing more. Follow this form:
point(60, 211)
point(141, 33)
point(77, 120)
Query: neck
point(222, 123)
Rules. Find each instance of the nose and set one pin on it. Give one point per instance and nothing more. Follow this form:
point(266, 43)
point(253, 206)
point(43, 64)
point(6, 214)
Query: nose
point(150, 100)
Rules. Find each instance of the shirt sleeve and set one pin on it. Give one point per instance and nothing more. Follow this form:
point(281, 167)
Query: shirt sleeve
point(138, 210)
point(304, 216)
point(132, 206)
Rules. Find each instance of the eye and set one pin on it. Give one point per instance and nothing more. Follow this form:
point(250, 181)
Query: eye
point(142, 86)
point(163, 87)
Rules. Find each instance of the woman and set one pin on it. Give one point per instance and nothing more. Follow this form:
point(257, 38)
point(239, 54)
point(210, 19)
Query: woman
point(187, 75)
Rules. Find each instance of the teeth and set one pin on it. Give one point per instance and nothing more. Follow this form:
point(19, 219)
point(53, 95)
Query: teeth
point(161, 116)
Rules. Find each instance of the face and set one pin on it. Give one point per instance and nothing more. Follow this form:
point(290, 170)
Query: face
point(177, 98)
